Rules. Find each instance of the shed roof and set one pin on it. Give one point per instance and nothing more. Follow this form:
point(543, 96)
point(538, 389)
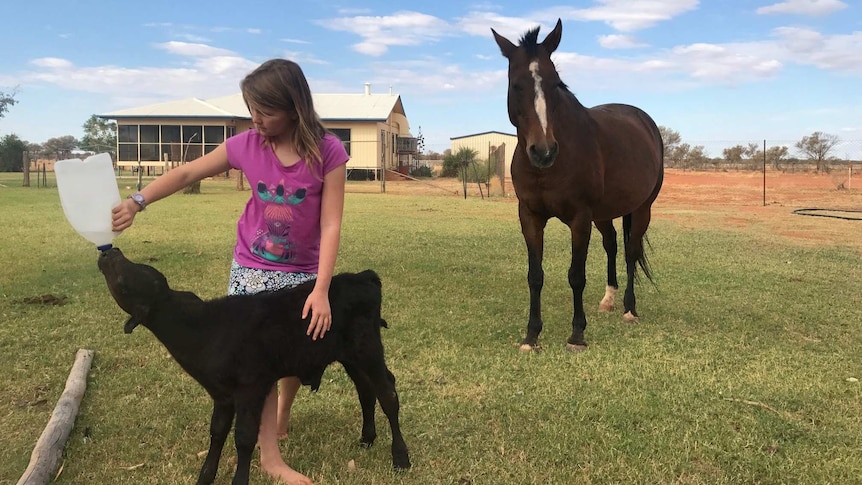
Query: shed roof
point(330, 107)
point(481, 134)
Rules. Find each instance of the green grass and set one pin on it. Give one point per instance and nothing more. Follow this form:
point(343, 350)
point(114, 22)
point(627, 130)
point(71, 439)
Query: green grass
point(734, 320)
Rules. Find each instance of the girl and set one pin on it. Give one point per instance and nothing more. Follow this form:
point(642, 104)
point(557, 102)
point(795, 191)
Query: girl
point(290, 229)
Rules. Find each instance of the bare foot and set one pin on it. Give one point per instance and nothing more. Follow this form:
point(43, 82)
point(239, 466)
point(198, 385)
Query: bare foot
point(285, 474)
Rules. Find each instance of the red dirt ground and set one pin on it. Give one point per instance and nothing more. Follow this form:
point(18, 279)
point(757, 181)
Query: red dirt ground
point(729, 200)
point(735, 200)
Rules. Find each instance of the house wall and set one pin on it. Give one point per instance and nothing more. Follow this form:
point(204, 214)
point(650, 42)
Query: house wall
point(371, 145)
point(173, 152)
point(364, 143)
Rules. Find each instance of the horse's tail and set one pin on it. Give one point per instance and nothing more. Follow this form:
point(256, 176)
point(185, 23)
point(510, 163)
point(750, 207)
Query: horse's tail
point(642, 260)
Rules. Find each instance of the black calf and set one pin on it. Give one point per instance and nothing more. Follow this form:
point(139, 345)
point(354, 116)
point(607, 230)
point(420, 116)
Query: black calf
point(237, 347)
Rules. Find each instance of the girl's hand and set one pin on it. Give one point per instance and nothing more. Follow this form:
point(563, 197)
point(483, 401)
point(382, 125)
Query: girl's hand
point(124, 214)
point(317, 304)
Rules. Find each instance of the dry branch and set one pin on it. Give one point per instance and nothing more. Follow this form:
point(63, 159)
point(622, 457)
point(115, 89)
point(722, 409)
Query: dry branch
point(753, 403)
point(45, 458)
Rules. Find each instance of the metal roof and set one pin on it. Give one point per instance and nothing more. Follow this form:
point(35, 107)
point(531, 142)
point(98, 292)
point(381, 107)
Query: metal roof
point(330, 107)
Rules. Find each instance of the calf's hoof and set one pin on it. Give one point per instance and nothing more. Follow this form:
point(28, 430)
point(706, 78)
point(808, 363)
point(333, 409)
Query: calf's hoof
point(401, 462)
point(630, 317)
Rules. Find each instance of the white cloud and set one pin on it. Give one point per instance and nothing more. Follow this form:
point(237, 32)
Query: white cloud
point(804, 7)
point(622, 15)
point(630, 15)
point(51, 63)
point(302, 58)
point(192, 49)
point(404, 28)
point(834, 52)
point(619, 42)
point(206, 72)
point(480, 23)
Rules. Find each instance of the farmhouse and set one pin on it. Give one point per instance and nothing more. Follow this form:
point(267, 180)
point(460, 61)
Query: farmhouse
point(373, 127)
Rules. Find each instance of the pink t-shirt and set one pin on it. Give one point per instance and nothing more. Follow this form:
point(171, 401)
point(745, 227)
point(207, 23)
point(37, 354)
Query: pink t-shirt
point(280, 226)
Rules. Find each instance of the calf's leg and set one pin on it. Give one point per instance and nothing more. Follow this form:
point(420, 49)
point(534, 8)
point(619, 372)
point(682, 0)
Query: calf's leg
point(222, 418)
point(249, 404)
point(384, 386)
point(367, 400)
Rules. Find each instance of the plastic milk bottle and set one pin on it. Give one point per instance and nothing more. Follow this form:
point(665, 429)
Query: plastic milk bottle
point(88, 192)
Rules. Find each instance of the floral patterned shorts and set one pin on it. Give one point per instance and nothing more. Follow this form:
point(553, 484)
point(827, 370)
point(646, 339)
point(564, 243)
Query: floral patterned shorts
point(247, 281)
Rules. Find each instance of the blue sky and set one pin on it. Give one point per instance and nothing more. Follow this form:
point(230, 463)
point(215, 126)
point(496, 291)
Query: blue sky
point(719, 73)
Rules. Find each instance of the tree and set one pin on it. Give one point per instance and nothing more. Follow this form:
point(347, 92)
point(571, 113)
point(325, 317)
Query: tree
point(678, 154)
point(671, 141)
point(6, 101)
point(453, 162)
point(100, 136)
point(739, 155)
point(775, 155)
point(817, 147)
point(670, 138)
point(11, 153)
point(60, 147)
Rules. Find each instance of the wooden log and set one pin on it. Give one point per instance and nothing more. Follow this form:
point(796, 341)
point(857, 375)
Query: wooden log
point(45, 458)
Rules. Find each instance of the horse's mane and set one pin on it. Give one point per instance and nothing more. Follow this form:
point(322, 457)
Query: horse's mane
point(530, 41)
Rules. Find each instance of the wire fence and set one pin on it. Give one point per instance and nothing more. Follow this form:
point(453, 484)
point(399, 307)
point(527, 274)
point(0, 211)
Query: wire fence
point(819, 156)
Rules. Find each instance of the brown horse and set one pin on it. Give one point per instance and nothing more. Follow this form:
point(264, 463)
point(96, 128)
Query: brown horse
point(580, 165)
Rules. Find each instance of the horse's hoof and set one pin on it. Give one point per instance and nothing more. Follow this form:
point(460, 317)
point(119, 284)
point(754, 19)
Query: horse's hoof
point(630, 317)
point(528, 347)
point(576, 347)
point(605, 308)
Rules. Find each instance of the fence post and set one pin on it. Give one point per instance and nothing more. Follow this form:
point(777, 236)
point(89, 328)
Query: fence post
point(764, 173)
point(25, 166)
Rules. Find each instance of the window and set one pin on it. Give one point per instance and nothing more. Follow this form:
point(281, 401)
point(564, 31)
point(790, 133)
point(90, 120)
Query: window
point(149, 152)
point(170, 134)
point(168, 143)
point(128, 153)
point(149, 133)
point(127, 133)
point(344, 135)
point(213, 135)
point(193, 134)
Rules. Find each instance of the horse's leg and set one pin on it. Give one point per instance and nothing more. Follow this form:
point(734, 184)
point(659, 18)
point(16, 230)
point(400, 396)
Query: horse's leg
point(533, 229)
point(634, 228)
point(580, 228)
point(609, 242)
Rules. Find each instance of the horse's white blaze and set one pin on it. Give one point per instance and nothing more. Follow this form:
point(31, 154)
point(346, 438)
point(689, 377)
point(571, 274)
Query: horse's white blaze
point(540, 105)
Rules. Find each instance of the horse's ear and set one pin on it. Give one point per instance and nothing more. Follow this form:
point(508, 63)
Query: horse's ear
point(552, 41)
point(506, 47)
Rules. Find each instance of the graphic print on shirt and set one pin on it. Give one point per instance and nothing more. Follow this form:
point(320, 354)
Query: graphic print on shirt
point(274, 244)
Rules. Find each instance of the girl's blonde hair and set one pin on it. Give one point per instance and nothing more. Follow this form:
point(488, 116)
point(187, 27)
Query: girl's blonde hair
point(281, 85)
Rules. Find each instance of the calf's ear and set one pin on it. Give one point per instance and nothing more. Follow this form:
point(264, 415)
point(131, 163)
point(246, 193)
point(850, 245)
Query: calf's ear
point(131, 323)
